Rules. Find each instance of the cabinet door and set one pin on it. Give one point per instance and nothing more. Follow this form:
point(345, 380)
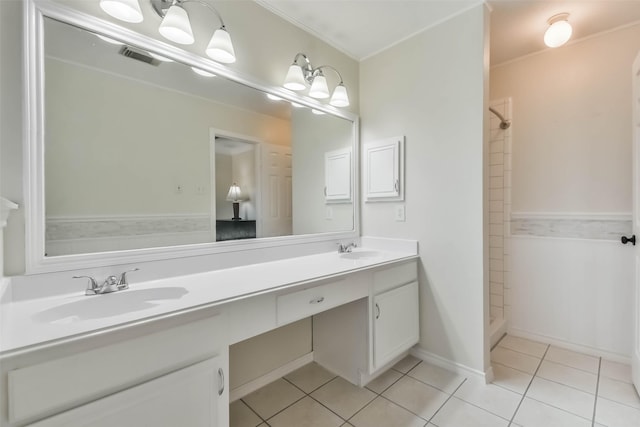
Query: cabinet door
point(395, 323)
point(383, 170)
point(193, 396)
point(337, 176)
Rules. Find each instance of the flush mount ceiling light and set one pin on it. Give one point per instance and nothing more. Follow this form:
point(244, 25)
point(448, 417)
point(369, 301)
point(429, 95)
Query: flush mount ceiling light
point(300, 76)
point(175, 25)
point(559, 31)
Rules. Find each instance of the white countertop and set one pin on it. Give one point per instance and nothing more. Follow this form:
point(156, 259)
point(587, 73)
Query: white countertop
point(29, 324)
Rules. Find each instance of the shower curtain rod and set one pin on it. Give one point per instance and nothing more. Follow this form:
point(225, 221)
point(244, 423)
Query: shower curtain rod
point(504, 124)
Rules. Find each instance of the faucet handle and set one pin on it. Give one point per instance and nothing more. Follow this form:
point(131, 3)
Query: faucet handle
point(92, 285)
point(122, 282)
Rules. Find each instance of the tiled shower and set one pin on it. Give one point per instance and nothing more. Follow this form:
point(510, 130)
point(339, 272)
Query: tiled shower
point(499, 217)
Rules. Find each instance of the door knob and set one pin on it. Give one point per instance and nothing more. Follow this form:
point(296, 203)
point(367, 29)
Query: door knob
point(625, 240)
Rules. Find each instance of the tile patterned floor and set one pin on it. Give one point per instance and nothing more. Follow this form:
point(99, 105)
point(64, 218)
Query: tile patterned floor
point(535, 385)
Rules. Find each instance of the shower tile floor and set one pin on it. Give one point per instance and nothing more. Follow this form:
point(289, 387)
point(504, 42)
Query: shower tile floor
point(535, 385)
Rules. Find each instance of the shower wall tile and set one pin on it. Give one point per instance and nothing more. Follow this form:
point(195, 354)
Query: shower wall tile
point(496, 288)
point(499, 206)
point(496, 276)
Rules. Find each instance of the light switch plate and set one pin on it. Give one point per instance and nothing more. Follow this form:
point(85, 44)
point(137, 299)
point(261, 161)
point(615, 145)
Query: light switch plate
point(328, 214)
point(400, 215)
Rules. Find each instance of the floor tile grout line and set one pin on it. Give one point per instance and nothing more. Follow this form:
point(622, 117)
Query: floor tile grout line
point(595, 401)
point(572, 367)
point(252, 410)
point(402, 375)
point(518, 351)
point(558, 408)
point(567, 385)
point(315, 389)
point(493, 362)
point(445, 402)
point(528, 386)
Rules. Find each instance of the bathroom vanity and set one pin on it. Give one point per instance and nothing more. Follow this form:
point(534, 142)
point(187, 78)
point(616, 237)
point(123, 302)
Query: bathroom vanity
point(157, 353)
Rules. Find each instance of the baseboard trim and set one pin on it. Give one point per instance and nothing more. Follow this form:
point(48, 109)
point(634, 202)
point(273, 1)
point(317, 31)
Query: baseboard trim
point(591, 351)
point(258, 383)
point(449, 365)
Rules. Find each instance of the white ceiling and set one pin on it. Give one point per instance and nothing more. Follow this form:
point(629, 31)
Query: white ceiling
point(362, 28)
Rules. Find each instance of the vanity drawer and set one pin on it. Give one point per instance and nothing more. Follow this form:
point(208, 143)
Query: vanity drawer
point(307, 302)
point(393, 277)
point(56, 385)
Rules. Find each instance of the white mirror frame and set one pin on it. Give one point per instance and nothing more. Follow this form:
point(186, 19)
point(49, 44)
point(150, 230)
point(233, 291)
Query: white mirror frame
point(33, 176)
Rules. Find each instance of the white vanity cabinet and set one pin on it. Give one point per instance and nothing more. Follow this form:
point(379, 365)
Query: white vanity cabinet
point(188, 397)
point(395, 323)
point(167, 372)
point(360, 340)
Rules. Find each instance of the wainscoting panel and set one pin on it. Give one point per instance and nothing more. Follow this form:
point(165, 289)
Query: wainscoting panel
point(574, 291)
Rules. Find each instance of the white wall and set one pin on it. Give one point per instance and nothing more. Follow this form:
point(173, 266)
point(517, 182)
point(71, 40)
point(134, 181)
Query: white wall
point(433, 93)
point(572, 124)
point(571, 178)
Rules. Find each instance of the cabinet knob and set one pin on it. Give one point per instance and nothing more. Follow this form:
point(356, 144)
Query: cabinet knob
point(316, 300)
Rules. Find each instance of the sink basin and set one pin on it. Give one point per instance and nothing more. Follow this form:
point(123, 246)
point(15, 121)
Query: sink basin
point(359, 254)
point(108, 305)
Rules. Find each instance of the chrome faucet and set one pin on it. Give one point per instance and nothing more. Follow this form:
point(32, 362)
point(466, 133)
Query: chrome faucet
point(346, 248)
point(110, 284)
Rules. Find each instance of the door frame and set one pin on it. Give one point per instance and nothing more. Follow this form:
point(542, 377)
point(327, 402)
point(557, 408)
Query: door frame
point(257, 153)
point(635, 355)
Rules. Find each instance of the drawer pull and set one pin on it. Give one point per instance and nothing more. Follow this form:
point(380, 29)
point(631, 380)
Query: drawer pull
point(220, 381)
point(377, 311)
point(316, 300)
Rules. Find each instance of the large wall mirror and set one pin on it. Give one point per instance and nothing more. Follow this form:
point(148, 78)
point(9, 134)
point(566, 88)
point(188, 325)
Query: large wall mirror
point(143, 152)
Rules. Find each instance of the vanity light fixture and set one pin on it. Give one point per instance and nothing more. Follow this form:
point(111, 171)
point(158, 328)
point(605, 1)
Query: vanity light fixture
point(176, 26)
point(300, 76)
point(235, 195)
point(559, 31)
point(124, 10)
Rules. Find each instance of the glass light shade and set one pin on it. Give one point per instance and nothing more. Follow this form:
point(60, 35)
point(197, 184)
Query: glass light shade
point(558, 34)
point(202, 72)
point(124, 10)
point(235, 194)
point(319, 88)
point(295, 78)
point(175, 26)
point(220, 47)
point(340, 97)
